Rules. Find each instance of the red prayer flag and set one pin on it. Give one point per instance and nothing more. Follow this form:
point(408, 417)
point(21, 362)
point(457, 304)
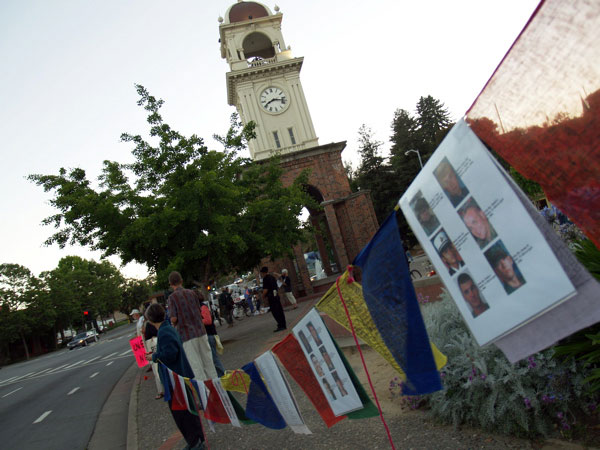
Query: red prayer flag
point(215, 410)
point(292, 357)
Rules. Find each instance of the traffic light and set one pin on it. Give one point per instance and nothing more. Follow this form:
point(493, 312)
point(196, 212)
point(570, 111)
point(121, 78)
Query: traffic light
point(208, 288)
point(85, 313)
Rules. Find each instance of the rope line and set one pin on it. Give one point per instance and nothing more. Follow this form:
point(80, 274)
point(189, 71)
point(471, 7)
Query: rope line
point(362, 358)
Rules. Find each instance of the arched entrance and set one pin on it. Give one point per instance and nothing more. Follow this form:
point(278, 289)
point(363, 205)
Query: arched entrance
point(343, 226)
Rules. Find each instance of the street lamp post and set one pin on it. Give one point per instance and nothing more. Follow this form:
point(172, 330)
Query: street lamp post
point(418, 154)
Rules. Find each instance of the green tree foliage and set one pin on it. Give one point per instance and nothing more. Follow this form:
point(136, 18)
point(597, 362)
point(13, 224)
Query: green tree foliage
point(179, 205)
point(134, 293)
point(422, 132)
point(77, 285)
point(24, 305)
point(373, 174)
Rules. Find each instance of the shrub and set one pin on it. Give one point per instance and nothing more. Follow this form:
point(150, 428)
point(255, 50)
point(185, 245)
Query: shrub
point(481, 388)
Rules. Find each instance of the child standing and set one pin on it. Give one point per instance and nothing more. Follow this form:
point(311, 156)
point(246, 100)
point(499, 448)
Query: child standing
point(169, 350)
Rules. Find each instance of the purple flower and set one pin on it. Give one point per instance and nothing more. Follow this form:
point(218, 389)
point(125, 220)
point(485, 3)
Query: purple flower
point(559, 415)
point(527, 403)
point(483, 377)
point(565, 426)
point(470, 377)
point(442, 374)
point(532, 363)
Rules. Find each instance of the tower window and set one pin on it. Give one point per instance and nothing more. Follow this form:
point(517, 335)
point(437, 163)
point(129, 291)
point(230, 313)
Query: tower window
point(276, 137)
point(292, 138)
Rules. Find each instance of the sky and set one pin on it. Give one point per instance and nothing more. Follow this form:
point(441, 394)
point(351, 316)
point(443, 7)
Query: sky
point(68, 70)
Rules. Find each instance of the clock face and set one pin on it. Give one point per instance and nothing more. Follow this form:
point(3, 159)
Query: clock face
point(273, 100)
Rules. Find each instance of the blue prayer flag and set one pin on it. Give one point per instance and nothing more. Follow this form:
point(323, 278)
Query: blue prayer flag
point(260, 406)
point(390, 296)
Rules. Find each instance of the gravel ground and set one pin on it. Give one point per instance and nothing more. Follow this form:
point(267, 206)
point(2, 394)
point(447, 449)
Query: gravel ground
point(251, 337)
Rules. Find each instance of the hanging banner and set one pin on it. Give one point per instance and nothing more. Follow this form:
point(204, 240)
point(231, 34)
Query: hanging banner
point(260, 405)
point(491, 256)
point(137, 346)
point(292, 357)
point(229, 409)
point(326, 364)
point(281, 393)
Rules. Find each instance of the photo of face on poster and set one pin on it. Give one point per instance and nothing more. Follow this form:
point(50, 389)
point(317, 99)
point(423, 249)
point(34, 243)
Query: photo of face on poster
point(424, 213)
point(327, 365)
point(328, 388)
point(448, 253)
point(477, 222)
point(326, 358)
point(504, 267)
point(305, 342)
point(340, 383)
point(314, 334)
point(450, 182)
point(470, 292)
point(317, 365)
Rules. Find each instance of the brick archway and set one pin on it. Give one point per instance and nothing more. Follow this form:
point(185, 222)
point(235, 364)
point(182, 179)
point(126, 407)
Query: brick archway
point(347, 219)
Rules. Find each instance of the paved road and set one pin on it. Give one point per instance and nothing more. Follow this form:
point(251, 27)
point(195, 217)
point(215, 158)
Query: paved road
point(53, 402)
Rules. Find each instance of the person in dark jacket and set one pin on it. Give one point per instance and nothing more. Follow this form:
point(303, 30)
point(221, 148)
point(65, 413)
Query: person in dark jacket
point(169, 351)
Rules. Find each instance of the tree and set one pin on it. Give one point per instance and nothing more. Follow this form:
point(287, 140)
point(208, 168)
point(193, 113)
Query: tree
point(186, 207)
point(24, 305)
point(374, 175)
point(134, 293)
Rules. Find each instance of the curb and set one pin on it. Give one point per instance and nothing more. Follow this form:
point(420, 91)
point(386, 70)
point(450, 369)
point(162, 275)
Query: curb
point(132, 425)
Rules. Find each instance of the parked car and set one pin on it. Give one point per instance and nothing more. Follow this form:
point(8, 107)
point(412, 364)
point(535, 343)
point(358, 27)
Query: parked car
point(82, 339)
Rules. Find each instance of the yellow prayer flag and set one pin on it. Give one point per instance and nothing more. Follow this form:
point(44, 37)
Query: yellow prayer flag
point(236, 381)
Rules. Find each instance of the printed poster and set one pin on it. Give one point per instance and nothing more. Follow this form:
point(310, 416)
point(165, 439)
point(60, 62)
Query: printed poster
point(326, 364)
point(490, 255)
point(139, 352)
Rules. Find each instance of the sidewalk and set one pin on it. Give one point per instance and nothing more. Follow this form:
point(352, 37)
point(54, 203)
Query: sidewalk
point(151, 425)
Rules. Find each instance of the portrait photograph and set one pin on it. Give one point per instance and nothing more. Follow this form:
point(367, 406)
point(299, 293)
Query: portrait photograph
point(477, 223)
point(424, 213)
point(450, 182)
point(504, 267)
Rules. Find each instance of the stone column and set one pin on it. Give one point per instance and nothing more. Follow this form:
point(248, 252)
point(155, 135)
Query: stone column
point(336, 236)
point(303, 269)
point(321, 244)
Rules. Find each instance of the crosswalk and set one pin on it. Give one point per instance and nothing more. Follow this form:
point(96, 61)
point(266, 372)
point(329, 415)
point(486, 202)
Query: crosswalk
point(53, 370)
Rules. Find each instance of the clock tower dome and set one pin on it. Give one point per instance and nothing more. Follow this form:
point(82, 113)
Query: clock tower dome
point(264, 81)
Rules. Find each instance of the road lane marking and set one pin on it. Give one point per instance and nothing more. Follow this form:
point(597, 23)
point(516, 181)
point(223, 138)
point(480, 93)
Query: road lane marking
point(92, 359)
point(73, 365)
point(10, 379)
point(41, 372)
point(58, 368)
point(124, 353)
point(12, 392)
point(108, 356)
point(23, 376)
point(110, 363)
point(73, 391)
point(42, 417)
point(94, 374)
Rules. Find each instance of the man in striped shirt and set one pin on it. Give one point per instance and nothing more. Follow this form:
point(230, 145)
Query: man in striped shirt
point(186, 317)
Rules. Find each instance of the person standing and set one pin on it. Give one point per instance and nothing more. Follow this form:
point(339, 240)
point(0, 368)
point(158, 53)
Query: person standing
point(286, 283)
point(139, 321)
point(169, 351)
point(186, 317)
point(226, 305)
point(150, 338)
point(208, 319)
point(270, 294)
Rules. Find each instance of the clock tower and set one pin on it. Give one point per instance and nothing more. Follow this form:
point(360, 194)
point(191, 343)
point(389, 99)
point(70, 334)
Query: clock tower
point(264, 81)
point(264, 85)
